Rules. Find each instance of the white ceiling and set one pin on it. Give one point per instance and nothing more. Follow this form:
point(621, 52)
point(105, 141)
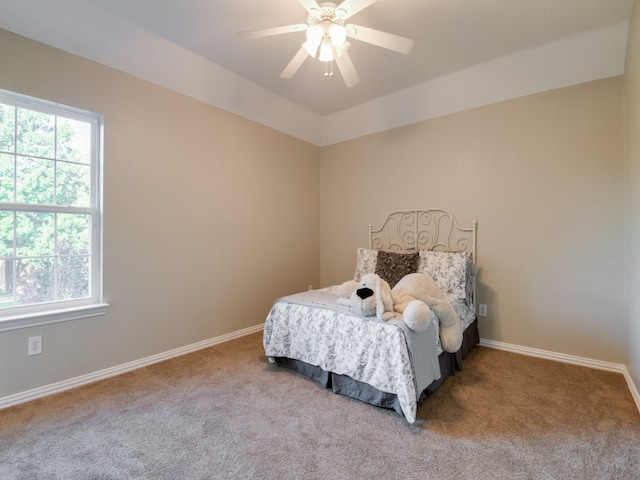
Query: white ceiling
point(466, 53)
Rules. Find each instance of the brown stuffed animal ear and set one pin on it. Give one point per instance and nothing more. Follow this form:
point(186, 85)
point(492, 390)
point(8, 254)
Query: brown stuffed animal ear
point(384, 301)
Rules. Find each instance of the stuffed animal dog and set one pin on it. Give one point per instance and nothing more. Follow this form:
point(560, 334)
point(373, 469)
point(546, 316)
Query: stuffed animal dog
point(372, 296)
point(418, 287)
point(414, 296)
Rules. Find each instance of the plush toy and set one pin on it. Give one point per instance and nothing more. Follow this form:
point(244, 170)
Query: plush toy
point(414, 296)
point(371, 296)
point(421, 288)
point(345, 291)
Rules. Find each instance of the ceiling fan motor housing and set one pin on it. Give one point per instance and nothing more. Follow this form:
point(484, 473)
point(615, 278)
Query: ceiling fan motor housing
point(328, 13)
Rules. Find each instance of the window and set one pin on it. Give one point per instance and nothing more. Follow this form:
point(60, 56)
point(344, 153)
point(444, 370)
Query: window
point(50, 212)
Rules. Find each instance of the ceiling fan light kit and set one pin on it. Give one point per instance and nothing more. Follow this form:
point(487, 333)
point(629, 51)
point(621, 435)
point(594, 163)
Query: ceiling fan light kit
point(327, 34)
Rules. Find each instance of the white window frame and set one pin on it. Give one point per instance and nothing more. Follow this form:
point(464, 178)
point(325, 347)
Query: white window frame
point(12, 318)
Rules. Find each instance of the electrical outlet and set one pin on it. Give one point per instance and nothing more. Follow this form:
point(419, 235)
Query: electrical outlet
point(34, 345)
point(482, 310)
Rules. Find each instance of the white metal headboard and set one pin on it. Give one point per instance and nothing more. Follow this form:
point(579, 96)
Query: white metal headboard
point(426, 229)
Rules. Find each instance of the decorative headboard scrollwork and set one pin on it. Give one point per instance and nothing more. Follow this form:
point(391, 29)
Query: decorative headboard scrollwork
point(426, 229)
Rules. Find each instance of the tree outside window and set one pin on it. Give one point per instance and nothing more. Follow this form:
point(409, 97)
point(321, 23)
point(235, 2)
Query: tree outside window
point(49, 204)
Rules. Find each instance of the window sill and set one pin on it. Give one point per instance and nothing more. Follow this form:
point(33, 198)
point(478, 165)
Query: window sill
point(51, 316)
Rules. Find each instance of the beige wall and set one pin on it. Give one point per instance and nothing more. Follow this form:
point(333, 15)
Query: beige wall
point(632, 157)
point(207, 218)
point(544, 177)
point(188, 185)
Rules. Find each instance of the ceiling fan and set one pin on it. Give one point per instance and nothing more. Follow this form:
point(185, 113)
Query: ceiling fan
point(327, 34)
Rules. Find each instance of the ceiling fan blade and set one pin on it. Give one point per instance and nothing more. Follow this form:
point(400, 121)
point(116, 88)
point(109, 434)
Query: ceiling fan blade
point(351, 7)
point(347, 70)
point(266, 32)
point(310, 5)
point(295, 63)
point(380, 39)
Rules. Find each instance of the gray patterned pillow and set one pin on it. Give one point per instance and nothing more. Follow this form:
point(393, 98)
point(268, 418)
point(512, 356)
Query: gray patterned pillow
point(365, 262)
point(392, 266)
point(448, 270)
point(470, 284)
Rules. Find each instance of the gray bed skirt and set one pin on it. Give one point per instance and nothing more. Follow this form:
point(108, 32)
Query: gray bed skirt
point(344, 385)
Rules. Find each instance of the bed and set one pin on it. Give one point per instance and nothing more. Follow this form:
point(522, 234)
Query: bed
point(383, 363)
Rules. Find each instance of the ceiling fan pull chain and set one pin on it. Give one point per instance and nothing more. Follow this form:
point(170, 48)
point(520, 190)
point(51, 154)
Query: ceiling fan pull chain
point(327, 72)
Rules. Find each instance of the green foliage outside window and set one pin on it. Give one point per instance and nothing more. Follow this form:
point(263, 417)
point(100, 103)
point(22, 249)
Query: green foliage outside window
point(44, 252)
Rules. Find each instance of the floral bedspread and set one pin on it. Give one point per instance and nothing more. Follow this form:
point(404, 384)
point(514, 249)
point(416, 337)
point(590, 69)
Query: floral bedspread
point(313, 328)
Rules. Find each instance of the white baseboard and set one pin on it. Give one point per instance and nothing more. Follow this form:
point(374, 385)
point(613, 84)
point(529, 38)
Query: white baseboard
point(561, 357)
point(58, 387)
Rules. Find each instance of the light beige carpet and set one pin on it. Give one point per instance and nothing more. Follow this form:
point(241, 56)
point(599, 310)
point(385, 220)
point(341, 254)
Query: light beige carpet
point(224, 412)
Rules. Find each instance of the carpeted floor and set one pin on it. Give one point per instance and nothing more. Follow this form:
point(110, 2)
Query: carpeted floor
point(224, 412)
